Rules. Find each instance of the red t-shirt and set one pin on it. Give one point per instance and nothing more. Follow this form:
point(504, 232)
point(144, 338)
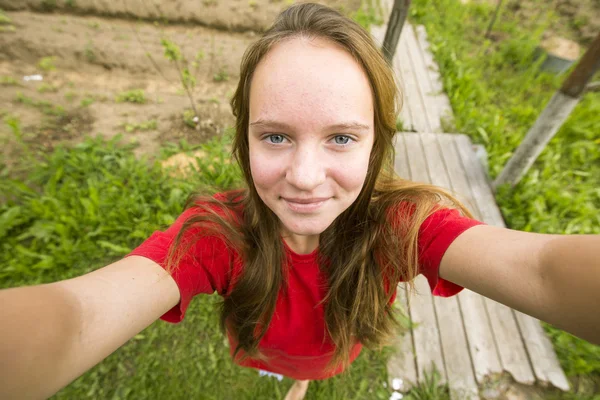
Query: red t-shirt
point(296, 342)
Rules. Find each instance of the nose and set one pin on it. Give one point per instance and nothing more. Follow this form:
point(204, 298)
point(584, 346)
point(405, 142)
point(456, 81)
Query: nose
point(307, 169)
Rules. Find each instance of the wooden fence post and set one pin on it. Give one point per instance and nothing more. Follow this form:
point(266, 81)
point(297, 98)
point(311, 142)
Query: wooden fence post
point(394, 28)
point(553, 116)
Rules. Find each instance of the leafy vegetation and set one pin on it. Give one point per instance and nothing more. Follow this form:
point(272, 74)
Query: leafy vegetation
point(132, 96)
point(44, 106)
point(368, 14)
point(5, 23)
point(83, 207)
point(497, 91)
point(8, 81)
point(46, 64)
point(141, 126)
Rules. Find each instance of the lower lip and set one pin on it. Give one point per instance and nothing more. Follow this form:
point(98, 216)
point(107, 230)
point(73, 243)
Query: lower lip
point(304, 208)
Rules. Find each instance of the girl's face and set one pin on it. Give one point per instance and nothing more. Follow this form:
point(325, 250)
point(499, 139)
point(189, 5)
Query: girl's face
point(310, 135)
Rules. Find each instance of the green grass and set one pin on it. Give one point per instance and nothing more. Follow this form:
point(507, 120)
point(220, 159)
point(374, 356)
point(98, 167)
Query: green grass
point(497, 92)
point(83, 207)
point(368, 14)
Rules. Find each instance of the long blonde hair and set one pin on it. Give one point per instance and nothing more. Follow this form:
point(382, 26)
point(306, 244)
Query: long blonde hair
point(362, 253)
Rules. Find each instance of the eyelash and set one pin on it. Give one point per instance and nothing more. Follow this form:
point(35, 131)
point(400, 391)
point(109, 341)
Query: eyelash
point(283, 136)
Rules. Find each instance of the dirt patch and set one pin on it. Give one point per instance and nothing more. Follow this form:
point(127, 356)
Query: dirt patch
point(77, 42)
point(86, 64)
point(236, 15)
point(97, 75)
point(578, 20)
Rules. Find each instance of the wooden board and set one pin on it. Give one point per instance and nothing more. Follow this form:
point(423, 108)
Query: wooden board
point(432, 113)
point(461, 378)
point(546, 367)
point(414, 100)
point(402, 364)
point(444, 109)
point(496, 337)
point(426, 332)
point(511, 349)
point(482, 346)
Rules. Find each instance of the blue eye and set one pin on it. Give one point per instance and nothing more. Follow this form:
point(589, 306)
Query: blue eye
point(345, 142)
point(277, 139)
point(340, 140)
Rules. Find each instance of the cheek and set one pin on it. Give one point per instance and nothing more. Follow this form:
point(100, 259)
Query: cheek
point(351, 175)
point(264, 172)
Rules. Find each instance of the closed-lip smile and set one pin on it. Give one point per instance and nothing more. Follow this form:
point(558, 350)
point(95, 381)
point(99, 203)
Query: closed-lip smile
point(305, 201)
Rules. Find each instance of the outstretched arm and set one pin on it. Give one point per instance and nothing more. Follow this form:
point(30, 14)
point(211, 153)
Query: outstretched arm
point(555, 278)
point(51, 334)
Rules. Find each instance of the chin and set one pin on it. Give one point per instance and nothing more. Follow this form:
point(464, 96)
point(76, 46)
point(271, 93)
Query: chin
point(306, 228)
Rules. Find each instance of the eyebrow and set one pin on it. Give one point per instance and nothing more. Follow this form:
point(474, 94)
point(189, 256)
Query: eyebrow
point(264, 123)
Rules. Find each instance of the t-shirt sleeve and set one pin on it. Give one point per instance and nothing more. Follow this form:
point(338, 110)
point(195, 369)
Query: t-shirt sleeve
point(436, 234)
point(205, 268)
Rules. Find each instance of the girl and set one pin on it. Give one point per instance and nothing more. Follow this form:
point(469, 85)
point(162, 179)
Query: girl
point(307, 257)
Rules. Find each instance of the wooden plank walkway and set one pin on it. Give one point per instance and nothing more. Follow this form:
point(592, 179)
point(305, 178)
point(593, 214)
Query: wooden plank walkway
point(469, 339)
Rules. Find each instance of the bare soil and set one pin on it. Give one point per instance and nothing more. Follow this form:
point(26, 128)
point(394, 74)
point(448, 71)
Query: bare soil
point(577, 20)
point(232, 15)
point(90, 52)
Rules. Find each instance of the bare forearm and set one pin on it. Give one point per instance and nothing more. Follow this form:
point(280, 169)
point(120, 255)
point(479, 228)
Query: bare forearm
point(571, 269)
point(38, 329)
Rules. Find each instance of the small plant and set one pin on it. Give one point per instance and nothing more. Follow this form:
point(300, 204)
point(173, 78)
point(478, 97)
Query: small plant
point(47, 87)
point(430, 388)
point(94, 25)
point(70, 96)
point(45, 107)
point(252, 4)
point(141, 126)
point(221, 76)
point(4, 19)
point(8, 81)
point(190, 118)
point(199, 57)
point(47, 64)
point(399, 125)
point(89, 53)
point(86, 101)
point(15, 127)
point(70, 3)
point(136, 96)
point(187, 78)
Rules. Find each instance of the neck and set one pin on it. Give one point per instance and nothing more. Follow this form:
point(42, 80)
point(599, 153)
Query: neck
point(301, 244)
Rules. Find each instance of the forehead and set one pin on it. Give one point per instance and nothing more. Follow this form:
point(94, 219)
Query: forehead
point(310, 81)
